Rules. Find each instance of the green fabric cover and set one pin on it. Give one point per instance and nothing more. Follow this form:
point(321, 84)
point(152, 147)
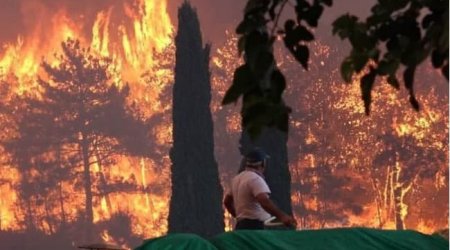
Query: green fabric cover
point(324, 239)
point(329, 239)
point(177, 241)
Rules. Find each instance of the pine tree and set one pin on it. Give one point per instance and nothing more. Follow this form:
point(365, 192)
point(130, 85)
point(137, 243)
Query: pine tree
point(195, 205)
point(80, 119)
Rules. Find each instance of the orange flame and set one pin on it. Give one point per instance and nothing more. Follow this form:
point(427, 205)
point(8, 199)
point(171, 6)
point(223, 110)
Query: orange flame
point(137, 45)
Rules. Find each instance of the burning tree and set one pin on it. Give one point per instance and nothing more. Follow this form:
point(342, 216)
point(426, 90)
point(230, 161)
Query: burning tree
point(78, 119)
point(195, 204)
point(332, 145)
point(395, 34)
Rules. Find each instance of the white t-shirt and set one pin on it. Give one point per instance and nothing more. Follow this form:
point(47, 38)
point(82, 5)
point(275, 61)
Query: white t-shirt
point(244, 189)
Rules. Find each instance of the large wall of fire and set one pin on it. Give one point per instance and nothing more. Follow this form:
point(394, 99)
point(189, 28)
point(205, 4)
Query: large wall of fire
point(341, 175)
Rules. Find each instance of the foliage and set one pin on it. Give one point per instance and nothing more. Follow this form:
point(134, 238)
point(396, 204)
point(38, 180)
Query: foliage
point(408, 38)
point(258, 80)
point(395, 24)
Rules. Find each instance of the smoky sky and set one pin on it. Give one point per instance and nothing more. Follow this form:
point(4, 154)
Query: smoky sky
point(18, 17)
point(216, 16)
point(21, 17)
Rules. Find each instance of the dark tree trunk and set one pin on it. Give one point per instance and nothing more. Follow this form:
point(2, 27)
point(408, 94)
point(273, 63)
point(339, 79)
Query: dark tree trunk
point(26, 194)
point(195, 205)
point(89, 214)
point(278, 177)
point(48, 216)
point(103, 182)
point(60, 191)
point(30, 215)
point(61, 204)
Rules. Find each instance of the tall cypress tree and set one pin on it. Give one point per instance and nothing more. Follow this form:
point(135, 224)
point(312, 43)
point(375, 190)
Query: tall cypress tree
point(195, 205)
point(277, 175)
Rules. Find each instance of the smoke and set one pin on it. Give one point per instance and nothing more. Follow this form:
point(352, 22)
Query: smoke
point(19, 17)
point(215, 16)
point(23, 17)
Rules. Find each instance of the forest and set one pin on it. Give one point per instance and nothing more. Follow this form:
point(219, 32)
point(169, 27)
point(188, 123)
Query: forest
point(103, 135)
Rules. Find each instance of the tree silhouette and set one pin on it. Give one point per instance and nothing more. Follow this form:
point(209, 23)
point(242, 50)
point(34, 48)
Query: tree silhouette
point(195, 205)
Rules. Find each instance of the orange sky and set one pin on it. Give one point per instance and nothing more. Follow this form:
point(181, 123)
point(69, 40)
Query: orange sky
point(216, 16)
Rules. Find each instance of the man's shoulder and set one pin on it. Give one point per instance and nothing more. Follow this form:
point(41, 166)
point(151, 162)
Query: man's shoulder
point(248, 176)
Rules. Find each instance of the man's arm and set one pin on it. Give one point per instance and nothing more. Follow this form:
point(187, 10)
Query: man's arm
point(229, 204)
point(269, 206)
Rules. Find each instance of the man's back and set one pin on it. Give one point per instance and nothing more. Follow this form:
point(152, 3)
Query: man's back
point(245, 187)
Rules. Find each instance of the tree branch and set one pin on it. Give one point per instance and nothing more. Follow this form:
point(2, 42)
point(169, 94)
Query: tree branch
point(277, 18)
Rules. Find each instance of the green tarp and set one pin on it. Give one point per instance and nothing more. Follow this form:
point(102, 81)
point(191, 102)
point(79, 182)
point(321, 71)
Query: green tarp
point(177, 241)
point(324, 239)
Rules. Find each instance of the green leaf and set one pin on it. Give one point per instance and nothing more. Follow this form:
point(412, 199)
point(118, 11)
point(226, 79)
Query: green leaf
point(385, 31)
point(374, 54)
point(255, 5)
point(301, 8)
point(414, 55)
point(301, 54)
point(392, 80)
point(289, 25)
point(278, 84)
point(366, 89)
point(242, 27)
point(427, 20)
point(344, 25)
point(445, 71)
point(392, 44)
point(303, 34)
point(294, 35)
point(360, 40)
point(395, 5)
point(249, 25)
point(359, 59)
point(242, 82)
point(388, 67)
point(438, 58)
point(408, 77)
point(312, 15)
point(379, 10)
point(241, 44)
point(347, 69)
point(414, 102)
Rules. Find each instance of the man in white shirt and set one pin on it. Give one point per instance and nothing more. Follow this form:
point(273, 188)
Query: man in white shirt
point(248, 199)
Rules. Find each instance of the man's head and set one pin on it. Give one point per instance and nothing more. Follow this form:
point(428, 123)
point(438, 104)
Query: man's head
point(256, 159)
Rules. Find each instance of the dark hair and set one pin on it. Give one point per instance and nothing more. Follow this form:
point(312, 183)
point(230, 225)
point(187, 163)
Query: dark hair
point(255, 166)
point(256, 157)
